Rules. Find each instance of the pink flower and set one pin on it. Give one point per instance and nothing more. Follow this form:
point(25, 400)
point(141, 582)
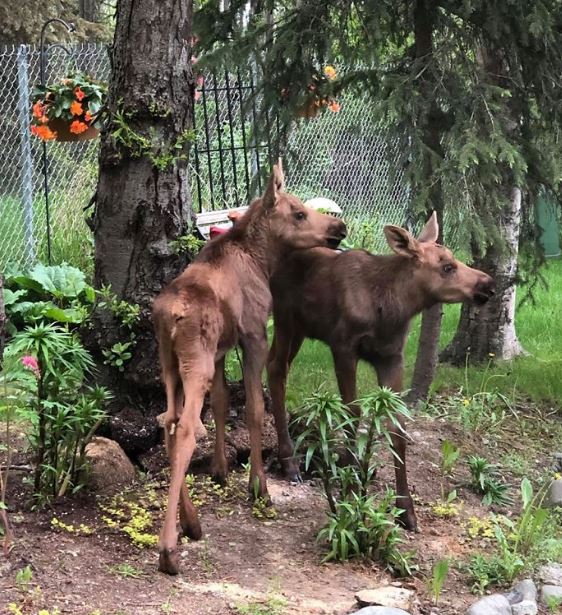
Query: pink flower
point(200, 81)
point(30, 362)
point(194, 59)
point(197, 95)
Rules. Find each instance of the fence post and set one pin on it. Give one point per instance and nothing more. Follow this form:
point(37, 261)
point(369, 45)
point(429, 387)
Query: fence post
point(26, 156)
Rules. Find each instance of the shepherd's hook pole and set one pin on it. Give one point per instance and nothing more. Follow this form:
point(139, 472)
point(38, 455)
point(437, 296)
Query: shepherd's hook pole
point(42, 62)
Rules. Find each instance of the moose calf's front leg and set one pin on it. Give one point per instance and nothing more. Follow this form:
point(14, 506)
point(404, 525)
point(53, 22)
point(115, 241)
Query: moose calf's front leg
point(255, 353)
point(390, 372)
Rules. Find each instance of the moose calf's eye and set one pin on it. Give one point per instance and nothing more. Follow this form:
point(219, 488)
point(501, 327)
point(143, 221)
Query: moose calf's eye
point(300, 215)
point(448, 268)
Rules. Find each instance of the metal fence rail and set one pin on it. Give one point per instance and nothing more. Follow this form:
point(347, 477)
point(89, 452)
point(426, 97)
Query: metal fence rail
point(343, 156)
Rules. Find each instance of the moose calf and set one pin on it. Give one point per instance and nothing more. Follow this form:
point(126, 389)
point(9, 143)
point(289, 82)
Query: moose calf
point(361, 305)
point(219, 301)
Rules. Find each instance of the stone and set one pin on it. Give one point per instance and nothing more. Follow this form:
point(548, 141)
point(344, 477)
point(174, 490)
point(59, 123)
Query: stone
point(380, 610)
point(496, 604)
point(109, 468)
point(525, 607)
point(555, 493)
point(550, 592)
point(524, 590)
point(551, 574)
point(387, 596)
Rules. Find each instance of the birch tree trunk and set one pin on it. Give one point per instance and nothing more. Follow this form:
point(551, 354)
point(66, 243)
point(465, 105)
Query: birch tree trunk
point(489, 330)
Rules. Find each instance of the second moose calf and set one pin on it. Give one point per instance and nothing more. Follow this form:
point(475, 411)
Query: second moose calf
point(361, 305)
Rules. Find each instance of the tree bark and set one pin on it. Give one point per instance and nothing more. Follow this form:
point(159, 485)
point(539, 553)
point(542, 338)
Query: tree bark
point(427, 355)
point(143, 197)
point(488, 331)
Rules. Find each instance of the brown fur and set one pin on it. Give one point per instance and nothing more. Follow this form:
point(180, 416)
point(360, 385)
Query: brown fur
point(221, 300)
point(361, 305)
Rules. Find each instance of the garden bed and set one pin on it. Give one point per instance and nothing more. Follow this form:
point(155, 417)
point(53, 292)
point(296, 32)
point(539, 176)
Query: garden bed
point(261, 566)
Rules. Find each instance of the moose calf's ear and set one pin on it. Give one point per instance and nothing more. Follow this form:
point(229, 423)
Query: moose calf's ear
point(400, 241)
point(430, 231)
point(275, 185)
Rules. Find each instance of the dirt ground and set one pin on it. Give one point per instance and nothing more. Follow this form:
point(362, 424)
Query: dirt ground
point(244, 562)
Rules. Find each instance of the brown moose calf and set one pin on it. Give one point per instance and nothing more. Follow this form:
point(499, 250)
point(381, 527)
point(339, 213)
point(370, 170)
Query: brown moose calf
point(361, 305)
point(221, 300)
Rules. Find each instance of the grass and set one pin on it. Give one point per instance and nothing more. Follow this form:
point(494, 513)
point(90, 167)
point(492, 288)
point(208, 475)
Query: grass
point(71, 239)
point(536, 376)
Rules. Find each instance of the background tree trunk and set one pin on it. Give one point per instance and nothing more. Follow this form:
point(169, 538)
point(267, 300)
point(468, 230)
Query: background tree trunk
point(427, 355)
point(490, 329)
point(143, 195)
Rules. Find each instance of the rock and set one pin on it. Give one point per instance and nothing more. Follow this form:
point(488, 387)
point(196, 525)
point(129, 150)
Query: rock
point(380, 610)
point(109, 468)
point(555, 493)
point(551, 574)
point(523, 598)
point(387, 596)
point(496, 604)
point(524, 590)
point(552, 592)
point(525, 607)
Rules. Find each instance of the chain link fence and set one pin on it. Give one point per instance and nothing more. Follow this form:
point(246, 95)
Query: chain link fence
point(343, 156)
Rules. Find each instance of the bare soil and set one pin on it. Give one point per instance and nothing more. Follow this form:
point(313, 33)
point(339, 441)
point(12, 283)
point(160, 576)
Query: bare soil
point(243, 561)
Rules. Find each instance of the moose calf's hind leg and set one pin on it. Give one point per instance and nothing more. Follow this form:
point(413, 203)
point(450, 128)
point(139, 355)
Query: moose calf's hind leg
point(283, 350)
point(182, 445)
point(219, 405)
point(255, 354)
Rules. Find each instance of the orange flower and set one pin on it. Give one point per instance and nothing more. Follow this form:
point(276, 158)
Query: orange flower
point(334, 106)
point(330, 72)
point(88, 117)
point(77, 127)
point(78, 93)
point(38, 109)
point(43, 132)
point(76, 108)
point(43, 119)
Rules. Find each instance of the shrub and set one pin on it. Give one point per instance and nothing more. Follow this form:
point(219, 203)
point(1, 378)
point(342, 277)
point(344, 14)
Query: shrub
point(50, 364)
point(359, 523)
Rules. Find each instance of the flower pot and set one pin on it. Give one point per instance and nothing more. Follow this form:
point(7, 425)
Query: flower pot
point(62, 128)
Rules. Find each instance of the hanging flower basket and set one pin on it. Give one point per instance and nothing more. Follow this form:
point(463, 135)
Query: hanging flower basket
point(319, 97)
point(67, 110)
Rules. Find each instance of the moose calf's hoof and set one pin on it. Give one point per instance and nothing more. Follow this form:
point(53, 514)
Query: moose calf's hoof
point(408, 521)
point(191, 529)
point(168, 561)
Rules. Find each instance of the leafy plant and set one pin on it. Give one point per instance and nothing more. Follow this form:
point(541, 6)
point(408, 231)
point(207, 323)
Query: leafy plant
point(522, 544)
point(118, 355)
point(127, 313)
point(439, 573)
point(24, 576)
point(484, 477)
point(56, 293)
point(359, 524)
point(187, 244)
point(127, 571)
point(449, 456)
point(51, 364)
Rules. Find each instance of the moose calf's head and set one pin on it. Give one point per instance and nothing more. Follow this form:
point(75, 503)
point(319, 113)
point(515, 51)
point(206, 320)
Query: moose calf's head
point(295, 225)
point(438, 272)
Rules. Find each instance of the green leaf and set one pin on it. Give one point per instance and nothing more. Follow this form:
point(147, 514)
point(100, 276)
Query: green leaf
point(526, 492)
